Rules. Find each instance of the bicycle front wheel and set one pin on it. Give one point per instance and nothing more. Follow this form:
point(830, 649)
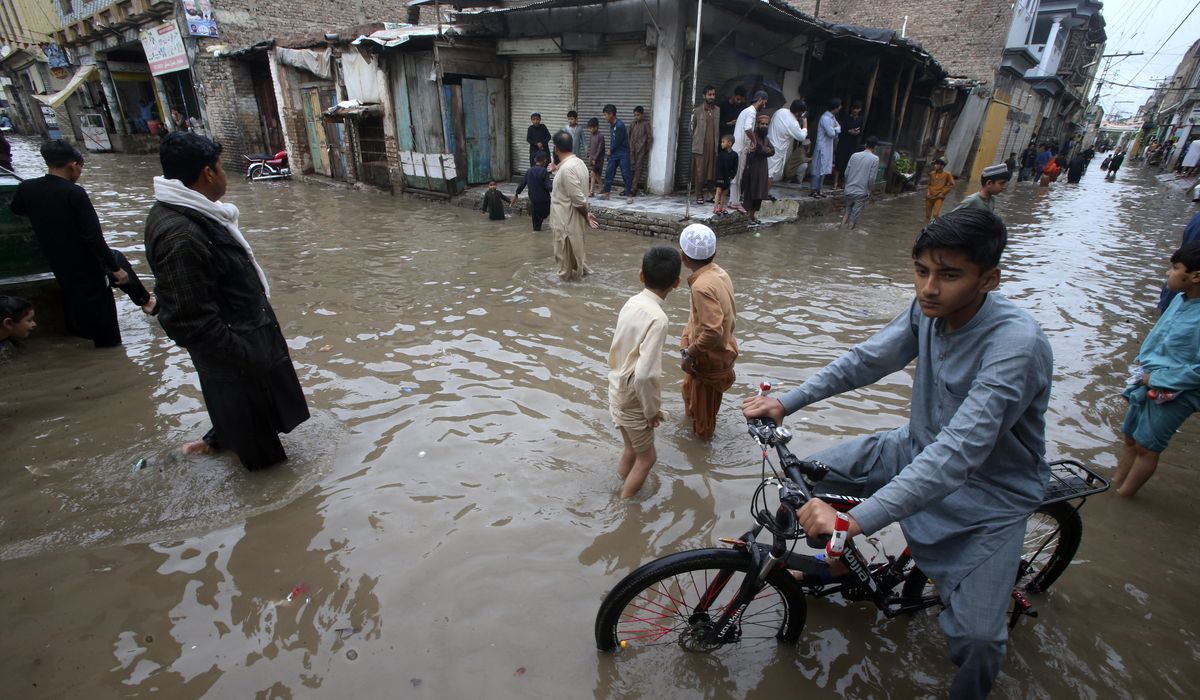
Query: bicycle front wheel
point(678, 599)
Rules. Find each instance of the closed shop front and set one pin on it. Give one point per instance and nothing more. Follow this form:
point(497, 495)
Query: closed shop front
point(620, 74)
point(543, 84)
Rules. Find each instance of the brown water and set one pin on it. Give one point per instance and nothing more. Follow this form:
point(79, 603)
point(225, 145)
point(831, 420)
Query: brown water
point(448, 521)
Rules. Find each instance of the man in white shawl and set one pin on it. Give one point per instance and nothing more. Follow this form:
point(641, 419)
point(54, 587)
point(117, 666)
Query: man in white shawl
point(787, 128)
point(827, 133)
point(213, 301)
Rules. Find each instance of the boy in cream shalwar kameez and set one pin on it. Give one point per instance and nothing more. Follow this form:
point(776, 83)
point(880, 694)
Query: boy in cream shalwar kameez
point(635, 367)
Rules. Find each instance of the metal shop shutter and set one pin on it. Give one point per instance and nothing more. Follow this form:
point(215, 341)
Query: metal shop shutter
point(714, 70)
point(621, 74)
point(541, 84)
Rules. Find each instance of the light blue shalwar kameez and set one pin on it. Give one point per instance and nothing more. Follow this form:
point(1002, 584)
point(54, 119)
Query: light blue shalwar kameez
point(1171, 354)
point(963, 476)
point(822, 160)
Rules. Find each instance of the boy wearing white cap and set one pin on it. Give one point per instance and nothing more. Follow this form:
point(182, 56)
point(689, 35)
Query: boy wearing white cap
point(993, 181)
point(708, 348)
point(635, 367)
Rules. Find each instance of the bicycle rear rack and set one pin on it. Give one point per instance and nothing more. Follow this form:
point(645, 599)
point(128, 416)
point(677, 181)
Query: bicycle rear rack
point(1070, 480)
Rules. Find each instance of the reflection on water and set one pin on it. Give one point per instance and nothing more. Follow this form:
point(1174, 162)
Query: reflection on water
point(448, 522)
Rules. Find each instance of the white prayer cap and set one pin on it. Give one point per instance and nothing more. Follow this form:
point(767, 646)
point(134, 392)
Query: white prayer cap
point(698, 242)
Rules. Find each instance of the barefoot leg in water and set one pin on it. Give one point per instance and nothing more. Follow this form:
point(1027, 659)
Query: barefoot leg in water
point(203, 446)
point(196, 447)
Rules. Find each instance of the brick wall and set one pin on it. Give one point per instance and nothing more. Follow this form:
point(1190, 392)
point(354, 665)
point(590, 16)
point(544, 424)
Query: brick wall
point(967, 38)
point(224, 83)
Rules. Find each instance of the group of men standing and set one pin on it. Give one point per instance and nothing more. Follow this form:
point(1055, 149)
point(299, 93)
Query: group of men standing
point(627, 146)
point(835, 139)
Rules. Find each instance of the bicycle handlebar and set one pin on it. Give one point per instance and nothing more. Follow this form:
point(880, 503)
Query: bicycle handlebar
point(794, 491)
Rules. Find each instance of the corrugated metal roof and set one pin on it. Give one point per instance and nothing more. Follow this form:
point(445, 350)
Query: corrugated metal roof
point(766, 11)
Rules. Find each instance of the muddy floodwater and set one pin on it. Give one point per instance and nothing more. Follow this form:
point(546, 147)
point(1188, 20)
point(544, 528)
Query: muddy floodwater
point(448, 524)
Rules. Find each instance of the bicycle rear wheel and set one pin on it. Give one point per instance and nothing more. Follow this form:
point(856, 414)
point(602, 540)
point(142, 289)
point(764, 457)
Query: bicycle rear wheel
point(677, 600)
point(1052, 536)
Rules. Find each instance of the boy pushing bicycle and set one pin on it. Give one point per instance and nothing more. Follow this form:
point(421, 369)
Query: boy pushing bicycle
point(963, 476)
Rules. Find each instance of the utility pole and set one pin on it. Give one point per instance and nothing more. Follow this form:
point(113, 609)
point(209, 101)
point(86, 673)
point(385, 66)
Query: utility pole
point(1107, 65)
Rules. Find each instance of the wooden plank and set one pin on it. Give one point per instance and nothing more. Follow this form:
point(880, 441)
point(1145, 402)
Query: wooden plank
point(871, 91)
point(478, 141)
point(912, 73)
point(404, 132)
point(423, 108)
point(497, 96)
point(424, 101)
point(895, 94)
point(317, 144)
point(456, 142)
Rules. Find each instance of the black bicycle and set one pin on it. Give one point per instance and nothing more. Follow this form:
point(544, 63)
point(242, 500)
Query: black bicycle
point(707, 599)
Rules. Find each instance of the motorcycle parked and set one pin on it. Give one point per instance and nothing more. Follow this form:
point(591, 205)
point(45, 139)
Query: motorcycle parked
point(264, 166)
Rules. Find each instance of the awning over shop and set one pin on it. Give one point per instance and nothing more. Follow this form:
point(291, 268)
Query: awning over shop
point(352, 109)
point(81, 76)
point(259, 47)
point(390, 38)
point(315, 62)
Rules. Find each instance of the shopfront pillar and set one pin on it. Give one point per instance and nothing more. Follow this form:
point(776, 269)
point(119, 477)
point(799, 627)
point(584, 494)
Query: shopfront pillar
point(110, 98)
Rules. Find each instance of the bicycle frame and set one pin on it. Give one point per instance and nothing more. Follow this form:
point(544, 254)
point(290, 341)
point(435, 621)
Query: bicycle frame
point(878, 582)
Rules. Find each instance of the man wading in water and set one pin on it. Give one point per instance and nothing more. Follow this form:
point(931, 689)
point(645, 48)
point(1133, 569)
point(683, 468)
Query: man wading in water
point(212, 299)
point(569, 215)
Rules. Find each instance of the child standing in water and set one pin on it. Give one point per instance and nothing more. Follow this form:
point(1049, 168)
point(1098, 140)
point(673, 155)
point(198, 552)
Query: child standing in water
point(16, 321)
point(635, 367)
point(1166, 381)
point(941, 183)
point(493, 202)
point(727, 165)
point(539, 182)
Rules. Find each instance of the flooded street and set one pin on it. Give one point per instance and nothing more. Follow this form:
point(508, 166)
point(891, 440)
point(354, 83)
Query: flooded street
point(448, 522)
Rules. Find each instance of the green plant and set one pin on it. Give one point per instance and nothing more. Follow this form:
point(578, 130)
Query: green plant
point(905, 166)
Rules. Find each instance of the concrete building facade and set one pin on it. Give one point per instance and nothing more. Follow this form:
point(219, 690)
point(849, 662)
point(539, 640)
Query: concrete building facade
point(1030, 63)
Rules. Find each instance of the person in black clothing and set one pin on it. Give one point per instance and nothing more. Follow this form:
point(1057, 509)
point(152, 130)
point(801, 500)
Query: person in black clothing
point(1114, 164)
point(1088, 155)
point(1028, 162)
point(731, 109)
point(215, 301)
point(847, 145)
point(494, 201)
point(1075, 168)
point(69, 234)
point(538, 137)
point(726, 170)
point(539, 182)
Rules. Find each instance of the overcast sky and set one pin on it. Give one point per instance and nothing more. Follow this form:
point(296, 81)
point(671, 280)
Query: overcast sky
point(1144, 25)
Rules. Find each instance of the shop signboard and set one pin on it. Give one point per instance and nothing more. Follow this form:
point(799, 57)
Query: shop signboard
point(199, 17)
point(164, 49)
point(95, 135)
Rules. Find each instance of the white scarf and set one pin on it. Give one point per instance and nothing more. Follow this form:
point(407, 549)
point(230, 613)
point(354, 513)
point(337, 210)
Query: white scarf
point(177, 194)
